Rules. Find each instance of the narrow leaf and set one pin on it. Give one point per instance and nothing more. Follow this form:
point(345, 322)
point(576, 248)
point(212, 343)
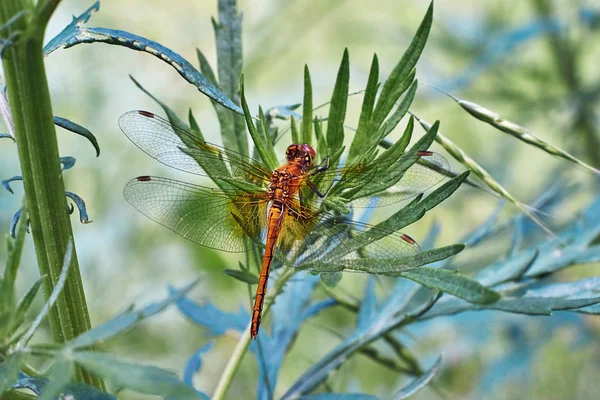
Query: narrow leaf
point(228, 35)
point(368, 307)
point(363, 137)
point(61, 373)
point(194, 364)
point(331, 279)
point(13, 261)
point(27, 300)
point(79, 130)
point(126, 320)
point(9, 371)
point(506, 270)
point(444, 191)
point(454, 283)
point(62, 278)
point(307, 106)
point(420, 382)
point(242, 276)
point(171, 115)
point(337, 110)
point(400, 112)
point(408, 60)
point(205, 68)
point(294, 128)
point(141, 378)
point(77, 33)
point(269, 158)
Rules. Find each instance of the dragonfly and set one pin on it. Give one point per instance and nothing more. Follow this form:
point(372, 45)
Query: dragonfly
point(282, 211)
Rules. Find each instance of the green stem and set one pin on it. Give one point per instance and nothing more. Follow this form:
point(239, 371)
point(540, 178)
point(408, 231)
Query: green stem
point(242, 347)
point(31, 111)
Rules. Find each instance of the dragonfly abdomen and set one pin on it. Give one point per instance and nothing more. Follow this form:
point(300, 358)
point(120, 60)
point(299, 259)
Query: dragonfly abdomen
point(275, 222)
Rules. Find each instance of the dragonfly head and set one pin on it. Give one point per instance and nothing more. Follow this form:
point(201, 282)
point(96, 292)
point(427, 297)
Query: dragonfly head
point(302, 154)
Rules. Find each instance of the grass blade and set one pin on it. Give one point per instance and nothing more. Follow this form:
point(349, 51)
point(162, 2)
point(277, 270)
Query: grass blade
point(458, 154)
point(494, 119)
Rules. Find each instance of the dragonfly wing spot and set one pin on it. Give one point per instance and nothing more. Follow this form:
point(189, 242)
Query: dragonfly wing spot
point(146, 113)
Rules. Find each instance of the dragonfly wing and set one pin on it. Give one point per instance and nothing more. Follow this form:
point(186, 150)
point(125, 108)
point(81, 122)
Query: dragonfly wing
point(370, 186)
point(178, 148)
point(327, 243)
point(210, 217)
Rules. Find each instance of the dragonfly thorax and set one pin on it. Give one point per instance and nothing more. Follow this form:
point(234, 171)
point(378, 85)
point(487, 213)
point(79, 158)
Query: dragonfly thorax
point(285, 182)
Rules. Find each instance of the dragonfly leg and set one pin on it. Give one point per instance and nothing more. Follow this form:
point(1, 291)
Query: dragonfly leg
point(324, 166)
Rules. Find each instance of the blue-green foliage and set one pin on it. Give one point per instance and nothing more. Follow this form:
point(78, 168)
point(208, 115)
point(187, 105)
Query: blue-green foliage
point(521, 283)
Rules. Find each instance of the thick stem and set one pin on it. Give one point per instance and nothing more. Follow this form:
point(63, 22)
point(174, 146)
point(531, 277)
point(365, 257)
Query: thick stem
point(242, 347)
point(31, 110)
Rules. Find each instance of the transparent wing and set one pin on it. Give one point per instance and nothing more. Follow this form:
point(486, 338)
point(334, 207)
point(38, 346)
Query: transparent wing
point(210, 217)
point(180, 149)
point(373, 185)
point(321, 242)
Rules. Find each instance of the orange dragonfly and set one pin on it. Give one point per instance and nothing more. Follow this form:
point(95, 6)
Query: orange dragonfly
point(279, 210)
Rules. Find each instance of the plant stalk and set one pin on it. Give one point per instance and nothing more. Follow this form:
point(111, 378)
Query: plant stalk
point(31, 111)
point(242, 347)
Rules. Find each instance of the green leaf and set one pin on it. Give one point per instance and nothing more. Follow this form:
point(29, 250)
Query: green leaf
point(58, 287)
point(13, 261)
point(322, 150)
point(427, 139)
point(206, 69)
point(242, 276)
point(25, 304)
point(408, 60)
point(77, 33)
point(363, 137)
point(307, 109)
point(60, 374)
point(381, 266)
point(9, 371)
point(294, 128)
point(228, 34)
point(126, 320)
point(453, 283)
point(79, 130)
point(331, 279)
point(171, 115)
point(194, 127)
point(385, 105)
point(419, 383)
point(268, 157)
point(504, 271)
point(407, 215)
point(444, 191)
point(542, 305)
point(141, 378)
point(337, 110)
point(395, 151)
point(264, 130)
point(400, 112)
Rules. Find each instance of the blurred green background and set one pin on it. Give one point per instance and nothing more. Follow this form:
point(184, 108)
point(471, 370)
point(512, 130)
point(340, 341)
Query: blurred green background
point(500, 54)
